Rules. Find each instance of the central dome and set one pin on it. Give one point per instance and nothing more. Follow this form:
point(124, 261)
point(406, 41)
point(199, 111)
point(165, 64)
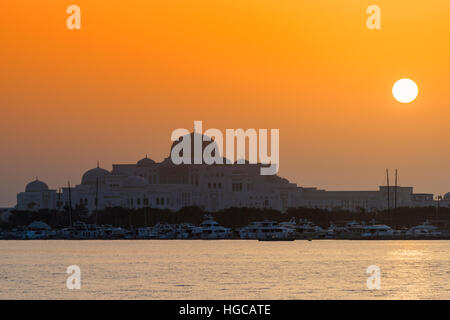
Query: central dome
point(145, 162)
point(192, 136)
point(91, 176)
point(36, 186)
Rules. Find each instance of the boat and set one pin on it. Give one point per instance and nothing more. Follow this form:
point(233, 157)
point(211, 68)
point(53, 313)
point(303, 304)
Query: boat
point(211, 229)
point(356, 230)
point(425, 230)
point(266, 231)
point(186, 231)
point(37, 230)
point(291, 224)
point(331, 232)
point(145, 233)
point(369, 230)
point(305, 229)
point(82, 231)
point(163, 231)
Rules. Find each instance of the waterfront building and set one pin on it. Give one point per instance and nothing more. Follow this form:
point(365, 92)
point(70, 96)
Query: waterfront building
point(36, 196)
point(164, 185)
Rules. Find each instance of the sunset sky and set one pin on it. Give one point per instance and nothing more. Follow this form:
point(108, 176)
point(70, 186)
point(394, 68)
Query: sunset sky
point(116, 89)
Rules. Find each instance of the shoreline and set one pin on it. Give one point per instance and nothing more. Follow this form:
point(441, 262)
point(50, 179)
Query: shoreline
point(237, 239)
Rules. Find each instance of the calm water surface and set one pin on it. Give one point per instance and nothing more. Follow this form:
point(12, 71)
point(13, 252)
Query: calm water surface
point(224, 269)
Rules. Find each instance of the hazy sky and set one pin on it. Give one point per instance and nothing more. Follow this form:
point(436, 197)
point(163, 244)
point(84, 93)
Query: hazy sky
point(114, 90)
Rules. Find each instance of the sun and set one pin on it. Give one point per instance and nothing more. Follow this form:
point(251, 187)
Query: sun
point(405, 90)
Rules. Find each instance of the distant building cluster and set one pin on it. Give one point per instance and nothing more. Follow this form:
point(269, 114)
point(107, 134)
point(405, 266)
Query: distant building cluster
point(212, 187)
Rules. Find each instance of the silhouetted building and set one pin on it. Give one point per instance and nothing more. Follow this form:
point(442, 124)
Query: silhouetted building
point(212, 187)
point(37, 196)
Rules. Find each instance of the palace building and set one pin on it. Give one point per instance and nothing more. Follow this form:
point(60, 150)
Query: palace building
point(165, 185)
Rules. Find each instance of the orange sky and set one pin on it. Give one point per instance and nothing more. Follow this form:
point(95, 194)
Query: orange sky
point(137, 70)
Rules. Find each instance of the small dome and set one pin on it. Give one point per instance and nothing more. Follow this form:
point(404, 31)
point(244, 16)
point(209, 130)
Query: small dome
point(36, 186)
point(91, 176)
point(134, 182)
point(145, 162)
point(447, 196)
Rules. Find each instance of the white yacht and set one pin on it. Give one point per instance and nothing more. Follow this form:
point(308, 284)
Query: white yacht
point(307, 229)
point(266, 229)
point(334, 231)
point(424, 230)
point(146, 233)
point(291, 224)
point(163, 231)
point(357, 230)
point(186, 231)
point(81, 230)
point(369, 230)
point(210, 229)
point(331, 232)
point(304, 228)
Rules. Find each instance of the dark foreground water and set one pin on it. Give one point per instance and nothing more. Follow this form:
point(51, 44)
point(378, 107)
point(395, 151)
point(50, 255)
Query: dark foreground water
point(224, 269)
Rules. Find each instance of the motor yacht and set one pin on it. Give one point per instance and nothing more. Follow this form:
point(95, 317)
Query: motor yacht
point(267, 230)
point(211, 229)
point(425, 230)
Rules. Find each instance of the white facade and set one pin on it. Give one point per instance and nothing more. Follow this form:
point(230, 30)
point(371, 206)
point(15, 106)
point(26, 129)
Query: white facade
point(445, 202)
point(363, 200)
point(211, 187)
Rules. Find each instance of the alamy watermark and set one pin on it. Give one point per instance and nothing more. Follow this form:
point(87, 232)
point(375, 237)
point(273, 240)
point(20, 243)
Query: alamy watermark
point(74, 20)
point(374, 20)
point(374, 281)
point(73, 282)
point(212, 153)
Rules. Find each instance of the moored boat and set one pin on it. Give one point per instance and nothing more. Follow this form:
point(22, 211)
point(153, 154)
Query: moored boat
point(211, 229)
point(266, 229)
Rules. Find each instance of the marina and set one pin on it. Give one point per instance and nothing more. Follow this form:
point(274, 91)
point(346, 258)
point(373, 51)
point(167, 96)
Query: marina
point(210, 229)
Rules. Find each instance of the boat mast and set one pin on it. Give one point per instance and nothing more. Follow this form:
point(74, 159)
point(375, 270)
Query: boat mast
point(395, 190)
point(96, 201)
point(388, 191)
point(70, 204)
